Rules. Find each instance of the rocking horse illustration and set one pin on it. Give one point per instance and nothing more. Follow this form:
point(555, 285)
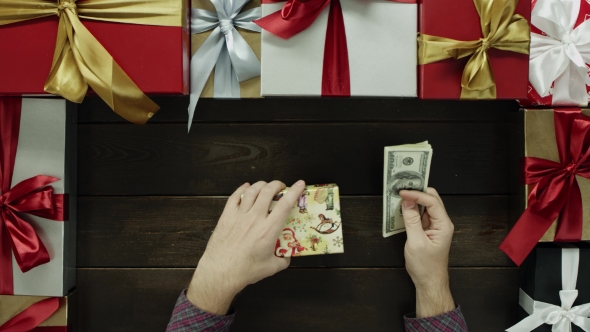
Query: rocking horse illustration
point(326, 225)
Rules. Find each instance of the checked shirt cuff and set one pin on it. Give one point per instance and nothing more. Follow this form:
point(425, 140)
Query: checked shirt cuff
point(452, 321)
point(188, 318)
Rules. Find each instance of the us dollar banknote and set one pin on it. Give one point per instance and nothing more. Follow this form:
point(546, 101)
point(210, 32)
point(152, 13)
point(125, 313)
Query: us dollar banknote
point(405, 167)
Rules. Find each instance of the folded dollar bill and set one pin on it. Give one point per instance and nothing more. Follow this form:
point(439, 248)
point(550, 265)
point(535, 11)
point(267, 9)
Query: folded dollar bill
point(405, 167)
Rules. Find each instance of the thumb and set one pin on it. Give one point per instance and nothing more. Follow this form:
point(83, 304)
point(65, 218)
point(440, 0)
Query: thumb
point(412, 220)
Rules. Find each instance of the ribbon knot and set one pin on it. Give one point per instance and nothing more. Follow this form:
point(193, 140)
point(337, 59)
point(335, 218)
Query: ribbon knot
point(485, 44)
point(67, 4)
point(558, 315)
point(226, 26)
point(572, 168)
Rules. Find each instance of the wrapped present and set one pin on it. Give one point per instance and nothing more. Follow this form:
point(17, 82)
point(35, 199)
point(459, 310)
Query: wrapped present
point(314, 226)
point(560, 53)
point(120, 49)
point(473, 49)
point(37, 314)
point(554, 185)
point(339, 48)
point(226, 50)
point(554, 292)
point(37, 196)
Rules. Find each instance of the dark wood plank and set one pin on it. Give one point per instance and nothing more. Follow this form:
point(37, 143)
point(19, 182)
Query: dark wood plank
point(214, 159)
point(173, 232)
point(174, 110)
point(295, 300)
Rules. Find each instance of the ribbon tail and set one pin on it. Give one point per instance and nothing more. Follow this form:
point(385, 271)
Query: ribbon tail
point(29, 251)
point(202, 63)
point(569, 228)
point(528, 324)
point(104, 75)
point(570, 87)
point(243, 59)
point(31, 317)
point(525, 234)
point(478, 79)
point(226, 83)
point(336, 68)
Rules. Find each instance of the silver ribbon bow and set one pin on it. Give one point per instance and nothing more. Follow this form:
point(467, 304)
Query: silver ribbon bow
point(225, 50)
point(560, 318)
point(560, 56)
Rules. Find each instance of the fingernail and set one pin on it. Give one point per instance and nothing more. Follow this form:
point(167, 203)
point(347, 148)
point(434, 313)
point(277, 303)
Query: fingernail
point(300, 183)
point(246, 184)
point(408, 204)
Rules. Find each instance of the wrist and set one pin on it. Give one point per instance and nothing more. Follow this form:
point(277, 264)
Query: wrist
point(211, 292)
point(434, 298)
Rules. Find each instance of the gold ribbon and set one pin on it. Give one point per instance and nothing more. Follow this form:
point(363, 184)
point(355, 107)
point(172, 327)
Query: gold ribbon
point(80, 60)
point(501, 29)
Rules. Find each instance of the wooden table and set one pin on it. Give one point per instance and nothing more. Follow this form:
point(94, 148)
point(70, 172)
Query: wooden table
point(150, 197)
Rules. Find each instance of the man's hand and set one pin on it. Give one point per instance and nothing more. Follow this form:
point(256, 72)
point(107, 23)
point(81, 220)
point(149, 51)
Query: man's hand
point(427, 251)
point(241, 249)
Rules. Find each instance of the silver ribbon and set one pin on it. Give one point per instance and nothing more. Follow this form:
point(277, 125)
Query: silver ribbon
point(225, 50)
point(561, 56)
point(561, 317)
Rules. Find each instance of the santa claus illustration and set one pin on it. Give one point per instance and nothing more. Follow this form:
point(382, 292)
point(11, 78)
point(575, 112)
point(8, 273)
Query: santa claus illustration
point(287, 245)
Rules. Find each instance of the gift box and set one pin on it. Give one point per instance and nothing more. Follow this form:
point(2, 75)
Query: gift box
point(560, 53)
point(551, 188)
point(38, 195)
point(554, 294)
point(339, 48)
point(469, 50)
point(38, 314)
point(314, 226)
point(224, 66)
point(121, 49)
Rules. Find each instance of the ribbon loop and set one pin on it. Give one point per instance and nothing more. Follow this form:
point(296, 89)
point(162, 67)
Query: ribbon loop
point(225, 50)
point(501, 29)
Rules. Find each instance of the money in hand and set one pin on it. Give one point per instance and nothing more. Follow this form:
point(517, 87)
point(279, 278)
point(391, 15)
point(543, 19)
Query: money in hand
point(405, 167)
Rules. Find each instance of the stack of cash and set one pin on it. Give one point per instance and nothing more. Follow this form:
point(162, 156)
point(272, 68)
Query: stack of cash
point(405, 167)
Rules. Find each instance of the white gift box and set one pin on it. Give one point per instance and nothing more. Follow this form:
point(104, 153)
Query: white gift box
point(47, 146)
point(381, 40)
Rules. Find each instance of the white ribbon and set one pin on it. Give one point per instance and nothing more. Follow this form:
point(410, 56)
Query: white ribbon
point(561, 318)
point(225, 49)
point(561, 56)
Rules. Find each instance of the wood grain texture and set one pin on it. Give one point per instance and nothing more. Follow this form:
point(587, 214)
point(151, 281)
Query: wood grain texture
point(295, 299)
point(214, 159)
point(174, 110)
point(173, 232)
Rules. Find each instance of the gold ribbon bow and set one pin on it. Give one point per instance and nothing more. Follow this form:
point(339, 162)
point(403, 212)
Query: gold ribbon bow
point(80, 60)
point(501, 29)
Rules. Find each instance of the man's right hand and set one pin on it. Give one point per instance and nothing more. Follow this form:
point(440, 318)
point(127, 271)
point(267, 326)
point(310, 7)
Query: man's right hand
point(427, 251)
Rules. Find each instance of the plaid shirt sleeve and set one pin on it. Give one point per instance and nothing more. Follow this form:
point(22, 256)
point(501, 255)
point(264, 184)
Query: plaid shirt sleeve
point(188, 318)
point(452, 321)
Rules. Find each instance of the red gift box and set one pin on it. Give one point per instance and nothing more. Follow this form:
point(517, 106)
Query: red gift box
point(459, 20)
point(534, 98)
point(156, 58)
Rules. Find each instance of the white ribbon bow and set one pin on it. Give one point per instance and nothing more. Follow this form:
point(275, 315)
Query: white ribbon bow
point(561, 318)
point(225, 49)
point(561, 56)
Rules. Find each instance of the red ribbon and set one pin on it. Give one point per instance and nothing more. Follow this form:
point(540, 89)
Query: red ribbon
point(556, 192)
point(32, 196)
point(30, 318)
point(298, 15)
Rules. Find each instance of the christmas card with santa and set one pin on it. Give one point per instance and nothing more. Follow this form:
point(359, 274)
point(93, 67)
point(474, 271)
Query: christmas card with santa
point(314, 226)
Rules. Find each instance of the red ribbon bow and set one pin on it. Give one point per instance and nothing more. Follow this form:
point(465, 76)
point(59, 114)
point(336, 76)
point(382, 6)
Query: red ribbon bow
point(32, 196)
point(298, 15)
point(556, 192)
point(29, 319)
